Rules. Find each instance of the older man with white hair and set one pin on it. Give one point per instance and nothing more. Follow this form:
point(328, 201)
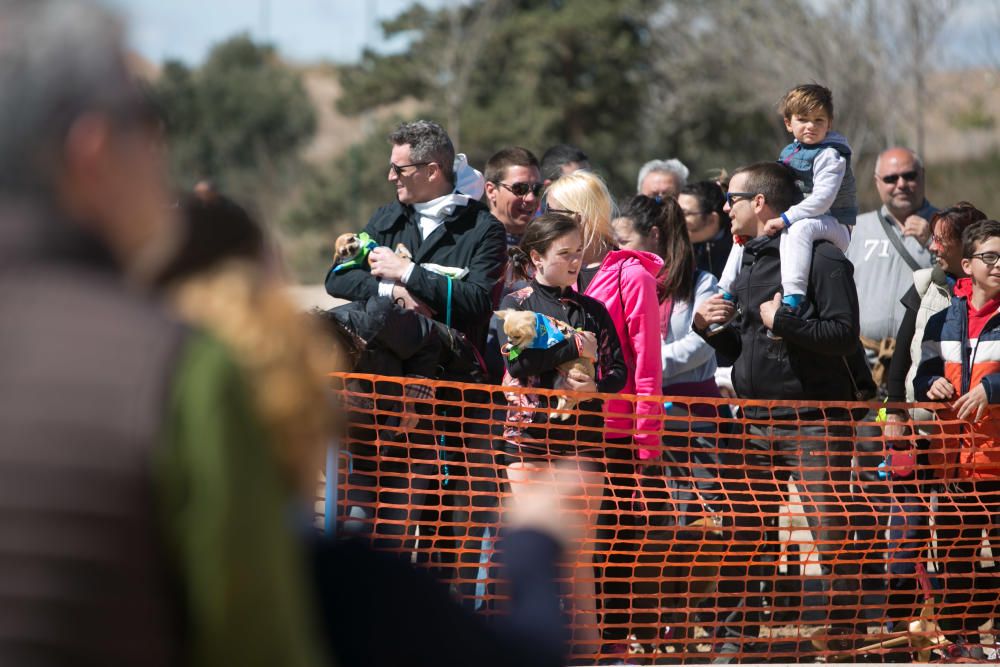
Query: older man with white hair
point(662, 178)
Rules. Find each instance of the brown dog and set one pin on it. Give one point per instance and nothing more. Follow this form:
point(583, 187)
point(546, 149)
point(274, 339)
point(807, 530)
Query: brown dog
point(519, 325)
point(347, 246)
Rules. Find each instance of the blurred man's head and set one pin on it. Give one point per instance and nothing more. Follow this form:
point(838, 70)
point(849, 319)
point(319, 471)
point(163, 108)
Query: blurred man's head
point(662, 178)
point(561, 160)
point(899, 179)
point(76, 134)
point(421, 164)
point(513, 187)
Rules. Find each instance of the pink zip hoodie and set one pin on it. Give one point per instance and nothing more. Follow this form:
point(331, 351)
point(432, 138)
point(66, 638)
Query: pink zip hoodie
point(626, 284)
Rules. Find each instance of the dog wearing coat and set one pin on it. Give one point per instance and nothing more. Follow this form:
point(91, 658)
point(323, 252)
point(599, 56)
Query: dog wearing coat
point(522, 328)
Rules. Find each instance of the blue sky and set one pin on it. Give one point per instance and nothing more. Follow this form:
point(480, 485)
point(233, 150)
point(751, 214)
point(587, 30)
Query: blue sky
point(336, 30)
point(303, 30)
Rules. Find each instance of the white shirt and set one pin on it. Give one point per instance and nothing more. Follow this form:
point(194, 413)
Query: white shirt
point(430, 216)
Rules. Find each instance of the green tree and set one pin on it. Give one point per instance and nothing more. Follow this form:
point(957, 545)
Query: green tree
point(497, 73)
point(239, 119)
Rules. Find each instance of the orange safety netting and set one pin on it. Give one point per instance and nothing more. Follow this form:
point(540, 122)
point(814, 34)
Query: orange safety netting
point(765, 534)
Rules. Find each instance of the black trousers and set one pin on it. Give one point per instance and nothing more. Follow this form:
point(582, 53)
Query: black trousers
point(965, 509)
point(439, 477)
point(759, 465)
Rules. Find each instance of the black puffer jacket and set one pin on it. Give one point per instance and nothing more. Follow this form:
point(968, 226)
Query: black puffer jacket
point(810, 361)
point(471, 238)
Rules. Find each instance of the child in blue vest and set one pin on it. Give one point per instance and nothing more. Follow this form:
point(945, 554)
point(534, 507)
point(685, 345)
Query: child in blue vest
point(821, 160)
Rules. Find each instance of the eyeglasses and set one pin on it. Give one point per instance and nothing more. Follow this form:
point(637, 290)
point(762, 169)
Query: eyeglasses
point(696, 214)
point(398, 168)
point(730, 196)
point(522, 189)
point(909, 176)
point(988, 258)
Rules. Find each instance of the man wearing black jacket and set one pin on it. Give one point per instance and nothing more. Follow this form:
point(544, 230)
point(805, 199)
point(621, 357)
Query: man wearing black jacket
point(442, 230)
point(451, 271)
point(779, 355)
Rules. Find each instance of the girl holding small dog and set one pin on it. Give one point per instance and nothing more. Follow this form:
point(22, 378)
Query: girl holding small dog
point(553, 246)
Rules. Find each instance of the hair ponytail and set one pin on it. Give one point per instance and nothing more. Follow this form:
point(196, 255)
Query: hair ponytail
point(520, 262)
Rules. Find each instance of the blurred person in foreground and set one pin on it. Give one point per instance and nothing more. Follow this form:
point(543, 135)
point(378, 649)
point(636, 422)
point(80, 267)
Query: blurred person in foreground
point(223, 279)
point(137, 488)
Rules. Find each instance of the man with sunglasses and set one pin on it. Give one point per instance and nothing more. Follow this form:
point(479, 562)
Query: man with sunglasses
point(513, 189)
point(513, 192)
point(808, 359)
point(889, 244)
point(441, 228)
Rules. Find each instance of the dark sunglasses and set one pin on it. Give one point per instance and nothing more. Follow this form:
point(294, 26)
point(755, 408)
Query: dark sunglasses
point(890, 179)
point(522, 189)
point(398, 168)
point(730, 196)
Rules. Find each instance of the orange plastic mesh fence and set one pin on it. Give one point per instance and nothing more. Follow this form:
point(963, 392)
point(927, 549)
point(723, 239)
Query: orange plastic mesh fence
point(768, 534)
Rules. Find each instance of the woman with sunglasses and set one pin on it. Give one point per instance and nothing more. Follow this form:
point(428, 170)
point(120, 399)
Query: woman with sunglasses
point(625, 282)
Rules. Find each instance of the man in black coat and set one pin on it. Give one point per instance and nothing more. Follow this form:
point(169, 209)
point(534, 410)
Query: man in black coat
point(445, 232)
point(785, 355)
point(451, 270)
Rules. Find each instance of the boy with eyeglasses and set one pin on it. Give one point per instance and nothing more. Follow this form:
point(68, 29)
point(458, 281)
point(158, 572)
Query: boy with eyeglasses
point(821, 160)
point(961, 366)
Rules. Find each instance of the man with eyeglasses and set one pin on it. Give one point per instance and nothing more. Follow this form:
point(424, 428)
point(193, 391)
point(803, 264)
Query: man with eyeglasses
point(889, 244)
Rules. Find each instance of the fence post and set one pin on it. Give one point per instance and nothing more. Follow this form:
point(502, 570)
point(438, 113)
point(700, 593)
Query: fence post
point(330, 508)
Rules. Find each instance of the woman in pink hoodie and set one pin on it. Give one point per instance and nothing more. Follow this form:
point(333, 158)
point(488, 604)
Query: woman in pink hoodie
point(625, 282)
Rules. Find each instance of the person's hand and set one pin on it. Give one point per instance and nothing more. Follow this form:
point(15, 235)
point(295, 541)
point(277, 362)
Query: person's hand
point(941, 390)
point(774, 226)
point(386, 264)
point(768, 309)
point(972, 405)
point(577, 380)
point(713, 310)
point(402, 296)
point(588, 344)
point(554, 501)
point(918, 228)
